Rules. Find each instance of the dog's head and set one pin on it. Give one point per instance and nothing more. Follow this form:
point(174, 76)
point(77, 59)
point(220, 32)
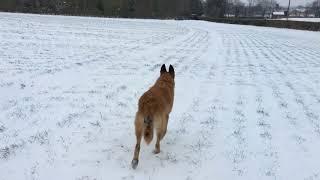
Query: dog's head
point(165, 73)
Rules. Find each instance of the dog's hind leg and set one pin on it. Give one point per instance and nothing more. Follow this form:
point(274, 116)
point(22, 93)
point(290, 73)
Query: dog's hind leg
point(164, 126)
point(157, 148)
point(160, 133)
point(139, 130)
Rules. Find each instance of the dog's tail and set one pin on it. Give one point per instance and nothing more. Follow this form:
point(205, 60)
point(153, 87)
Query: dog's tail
point(148, 130)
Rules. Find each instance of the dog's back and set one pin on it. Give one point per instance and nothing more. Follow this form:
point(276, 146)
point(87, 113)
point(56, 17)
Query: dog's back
point(156, 104)
point(153, 111)
point(159, 98)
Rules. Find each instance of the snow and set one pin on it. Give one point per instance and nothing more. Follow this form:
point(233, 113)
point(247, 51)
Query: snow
point(303, 19)
point(247, 99)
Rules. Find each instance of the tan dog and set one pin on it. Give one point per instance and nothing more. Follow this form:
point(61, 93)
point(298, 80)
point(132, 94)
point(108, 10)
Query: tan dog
point(154, 108)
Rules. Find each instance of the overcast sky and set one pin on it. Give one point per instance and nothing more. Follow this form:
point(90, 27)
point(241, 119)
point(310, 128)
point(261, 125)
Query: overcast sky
point(294, 2)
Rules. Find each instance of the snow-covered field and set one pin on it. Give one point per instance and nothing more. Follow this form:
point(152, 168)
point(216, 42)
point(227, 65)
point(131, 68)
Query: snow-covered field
point(303, 19)
point(247, 101)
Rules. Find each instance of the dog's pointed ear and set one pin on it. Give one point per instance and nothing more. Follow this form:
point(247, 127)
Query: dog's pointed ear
point(163, 69)
point(171, 71)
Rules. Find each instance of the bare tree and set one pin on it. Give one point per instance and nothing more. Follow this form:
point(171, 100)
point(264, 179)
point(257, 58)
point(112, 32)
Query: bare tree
point(288, 10)
point(196, 7)
point(316, 8)
point(263, 4)
point(216, 8)
point(266, 6)
point(251, 3)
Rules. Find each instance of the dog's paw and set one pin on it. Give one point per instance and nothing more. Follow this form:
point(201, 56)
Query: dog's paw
point(134, 163)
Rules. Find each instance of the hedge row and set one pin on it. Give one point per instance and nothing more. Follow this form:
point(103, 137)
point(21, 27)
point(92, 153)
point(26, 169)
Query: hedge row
point(301, 25)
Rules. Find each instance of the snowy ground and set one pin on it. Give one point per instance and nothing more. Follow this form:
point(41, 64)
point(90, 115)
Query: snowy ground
point(247, 102)
point(303, 19)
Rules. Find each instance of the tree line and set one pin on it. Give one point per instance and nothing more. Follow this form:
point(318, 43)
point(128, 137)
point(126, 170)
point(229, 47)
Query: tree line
point(256, 8)
point(115, 8)
point(152, 8)
point(314, 7)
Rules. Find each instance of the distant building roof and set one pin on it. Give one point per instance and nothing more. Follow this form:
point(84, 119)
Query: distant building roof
point(301, 9)
point(278, 13)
